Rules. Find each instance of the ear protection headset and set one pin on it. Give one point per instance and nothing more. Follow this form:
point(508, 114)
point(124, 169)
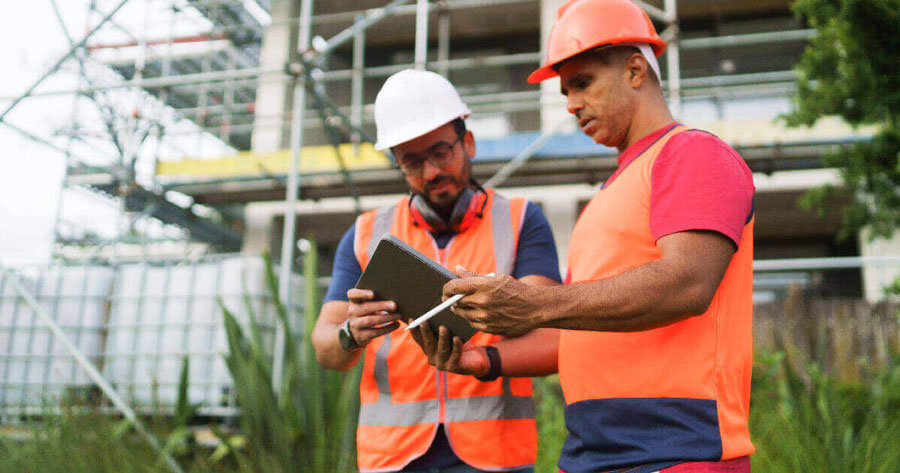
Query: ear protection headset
point(468, 208)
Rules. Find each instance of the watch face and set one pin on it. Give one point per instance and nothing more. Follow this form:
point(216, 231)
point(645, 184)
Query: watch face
point(345, 338)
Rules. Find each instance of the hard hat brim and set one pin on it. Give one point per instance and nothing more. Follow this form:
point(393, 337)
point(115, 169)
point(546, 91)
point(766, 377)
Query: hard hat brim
point(412, 132)
point(542, 73)
point(548, 71)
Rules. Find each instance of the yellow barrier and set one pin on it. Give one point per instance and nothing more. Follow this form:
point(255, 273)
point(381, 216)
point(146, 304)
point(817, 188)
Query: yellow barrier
point(322, 159)
point(313, 159)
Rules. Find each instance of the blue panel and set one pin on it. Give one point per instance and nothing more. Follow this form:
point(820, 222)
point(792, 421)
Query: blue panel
point(578, 145)
point(565, 146)
point(612, 434)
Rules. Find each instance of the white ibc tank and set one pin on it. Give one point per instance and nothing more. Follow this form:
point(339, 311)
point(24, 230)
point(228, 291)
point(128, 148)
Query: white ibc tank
point(161, 313)
point(35, 368)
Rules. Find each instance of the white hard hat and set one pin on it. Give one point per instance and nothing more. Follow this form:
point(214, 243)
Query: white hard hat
point(412, 103)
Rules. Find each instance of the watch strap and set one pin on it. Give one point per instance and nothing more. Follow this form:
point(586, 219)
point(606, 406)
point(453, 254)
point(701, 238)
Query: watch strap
point(352, 343)
point(495, 370)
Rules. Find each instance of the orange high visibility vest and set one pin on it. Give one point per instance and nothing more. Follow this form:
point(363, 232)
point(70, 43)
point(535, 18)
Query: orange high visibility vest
point(403, 399)
point(679, 392)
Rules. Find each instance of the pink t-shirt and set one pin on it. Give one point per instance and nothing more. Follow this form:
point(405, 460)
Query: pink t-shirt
point(735, 465)
point(697, 183)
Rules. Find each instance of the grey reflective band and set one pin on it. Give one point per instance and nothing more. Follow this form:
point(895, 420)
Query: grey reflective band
point(489, 407)
point(457, 410)
point(384, 219)
point(398, 414)
point(385, 412)
point(381, 368)
point(501, 227)
point(504, 406)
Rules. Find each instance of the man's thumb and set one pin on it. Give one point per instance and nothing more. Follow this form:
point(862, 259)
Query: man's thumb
point(465, 273)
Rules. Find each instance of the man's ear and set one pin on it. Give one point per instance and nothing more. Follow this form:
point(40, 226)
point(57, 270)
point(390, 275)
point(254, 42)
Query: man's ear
point(469, 144)
point(638, 69)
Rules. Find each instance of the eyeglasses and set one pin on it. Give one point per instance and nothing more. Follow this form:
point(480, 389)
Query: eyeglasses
point(412, 164)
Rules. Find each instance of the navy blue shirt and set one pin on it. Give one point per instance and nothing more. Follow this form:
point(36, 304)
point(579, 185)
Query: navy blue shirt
point(535, 255)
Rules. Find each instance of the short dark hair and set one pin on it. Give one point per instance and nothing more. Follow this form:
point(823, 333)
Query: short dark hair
point(459, 125)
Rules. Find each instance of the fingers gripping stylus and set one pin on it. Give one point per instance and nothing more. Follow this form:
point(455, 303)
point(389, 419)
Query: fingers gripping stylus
point(437, 309)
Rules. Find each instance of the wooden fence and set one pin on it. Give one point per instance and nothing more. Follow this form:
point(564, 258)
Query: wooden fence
point(846, 337)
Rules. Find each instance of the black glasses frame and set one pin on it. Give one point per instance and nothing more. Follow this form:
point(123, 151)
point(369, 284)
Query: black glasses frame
point(433, 156)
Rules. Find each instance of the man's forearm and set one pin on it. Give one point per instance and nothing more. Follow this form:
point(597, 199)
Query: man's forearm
point(326, 344)
point(330, 354)
point(613, 305)
point(649, 296)
point(532, 354)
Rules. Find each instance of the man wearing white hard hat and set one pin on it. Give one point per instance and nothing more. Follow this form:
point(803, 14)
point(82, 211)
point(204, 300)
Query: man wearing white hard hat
point(414, 417)
point(656, 352)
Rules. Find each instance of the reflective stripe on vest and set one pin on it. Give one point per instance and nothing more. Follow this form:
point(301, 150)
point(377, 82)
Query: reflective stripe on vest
point(505, 406)
point(385, 412)
point(503, 240)
point(489, 425)
point(384, 218)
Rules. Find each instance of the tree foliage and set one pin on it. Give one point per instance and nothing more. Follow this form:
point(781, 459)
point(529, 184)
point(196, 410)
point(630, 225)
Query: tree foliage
point(852, 69)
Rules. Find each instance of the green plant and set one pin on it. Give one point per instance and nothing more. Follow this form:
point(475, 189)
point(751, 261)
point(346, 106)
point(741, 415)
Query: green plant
point(180, 439)
point(805, 420)
point(78, 440)
point(551, 422)
point(309, 424)
point(850, 70)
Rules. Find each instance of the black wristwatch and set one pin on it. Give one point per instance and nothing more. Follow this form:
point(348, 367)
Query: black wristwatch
point(345, 337)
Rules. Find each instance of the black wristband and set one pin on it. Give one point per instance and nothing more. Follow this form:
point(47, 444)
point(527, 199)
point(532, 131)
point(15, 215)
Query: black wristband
point(494, 368)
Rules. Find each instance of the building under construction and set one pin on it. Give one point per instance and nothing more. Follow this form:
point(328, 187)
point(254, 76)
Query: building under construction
point(216, 127)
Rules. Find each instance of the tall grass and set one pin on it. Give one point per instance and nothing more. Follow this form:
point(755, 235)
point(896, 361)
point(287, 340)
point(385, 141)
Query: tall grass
point(80, 436)
point(803, 419)
point(77, 442)
point(309, 424)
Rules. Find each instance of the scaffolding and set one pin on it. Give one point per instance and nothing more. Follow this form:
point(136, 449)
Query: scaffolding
point(164, 80)
point(159, 81)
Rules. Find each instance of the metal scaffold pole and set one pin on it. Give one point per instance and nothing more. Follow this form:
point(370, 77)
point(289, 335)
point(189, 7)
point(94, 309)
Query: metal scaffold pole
point(655, 12)
point(292, 191)
point(372, 17)
point(421, 34)
point(64, 58)
point(356, 82)
point(500, 177)
point(673, 58)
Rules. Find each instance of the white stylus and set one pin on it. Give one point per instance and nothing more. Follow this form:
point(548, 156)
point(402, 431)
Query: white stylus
point(438, 308)
point(431, 313)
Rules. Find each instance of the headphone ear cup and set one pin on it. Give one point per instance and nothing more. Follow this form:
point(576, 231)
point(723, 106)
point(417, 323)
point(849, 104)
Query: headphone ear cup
point(432, 220)
point(460, 208)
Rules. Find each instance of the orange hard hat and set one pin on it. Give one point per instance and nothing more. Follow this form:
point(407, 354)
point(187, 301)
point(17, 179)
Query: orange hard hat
point(581, 25)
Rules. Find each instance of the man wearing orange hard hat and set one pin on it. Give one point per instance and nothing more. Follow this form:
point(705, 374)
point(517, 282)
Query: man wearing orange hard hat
point(655, 354)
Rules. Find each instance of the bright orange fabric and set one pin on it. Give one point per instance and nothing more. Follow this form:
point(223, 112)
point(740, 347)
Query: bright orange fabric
point(704, 357)
point(485, 444)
